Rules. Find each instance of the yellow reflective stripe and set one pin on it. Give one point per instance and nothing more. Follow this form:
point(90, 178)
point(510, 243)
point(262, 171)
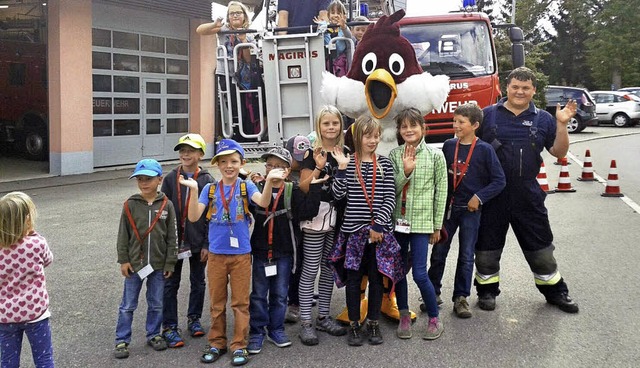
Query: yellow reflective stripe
point(487, 279)
point(547, 279)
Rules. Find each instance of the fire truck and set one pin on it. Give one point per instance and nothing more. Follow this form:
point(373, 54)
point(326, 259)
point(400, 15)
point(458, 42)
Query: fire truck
point(23, 102)
point(458, 44)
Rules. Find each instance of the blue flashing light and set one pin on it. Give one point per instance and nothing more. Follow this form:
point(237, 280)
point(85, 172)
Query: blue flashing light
point(470, 3)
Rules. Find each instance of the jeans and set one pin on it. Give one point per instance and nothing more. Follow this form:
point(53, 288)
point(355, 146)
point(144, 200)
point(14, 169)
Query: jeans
point(39, 335)
point(196, 294)
point(268, 300)
point(468, 222)
point(369, 267)
point(419, 249)
point(132, 287)
point(229, 270)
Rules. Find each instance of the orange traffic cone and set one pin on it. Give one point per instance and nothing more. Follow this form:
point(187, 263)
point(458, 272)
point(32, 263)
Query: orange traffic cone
point(587, 169)
point(612, 189)
point(559, 161)
point(564, 182)
point(542, 180)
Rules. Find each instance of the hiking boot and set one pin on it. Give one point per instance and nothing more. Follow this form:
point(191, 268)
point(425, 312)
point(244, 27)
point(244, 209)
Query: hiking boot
point(195, 328)
point(487, 302)
point(158, 343)
point(564, 302)
point(439, 299)
point(240, 357)
point(404, 327)
point(328, 325)
point(293, 314)
point(354, 337)
point(434, 329)
point(308, 334)
point(423, 307)
point(373, 328)
point(279, 338)
point(172, 337)
point(255, 344)
point(121, 351)
point(461, 307)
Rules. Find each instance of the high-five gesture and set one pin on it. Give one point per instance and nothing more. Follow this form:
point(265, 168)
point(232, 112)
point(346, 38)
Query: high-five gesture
point(409, 159)
point(563, 116)
point(340, 157)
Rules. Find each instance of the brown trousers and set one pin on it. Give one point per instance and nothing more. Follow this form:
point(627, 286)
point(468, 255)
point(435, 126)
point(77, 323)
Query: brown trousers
point(234, 270)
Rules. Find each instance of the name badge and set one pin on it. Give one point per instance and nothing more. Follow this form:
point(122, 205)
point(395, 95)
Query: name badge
point(270, 269)
point(403, 226)
point(234, 242)
point(184, 251)
point(145, 271)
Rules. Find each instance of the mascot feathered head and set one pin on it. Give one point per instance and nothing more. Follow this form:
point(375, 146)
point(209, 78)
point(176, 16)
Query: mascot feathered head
point(385, 77)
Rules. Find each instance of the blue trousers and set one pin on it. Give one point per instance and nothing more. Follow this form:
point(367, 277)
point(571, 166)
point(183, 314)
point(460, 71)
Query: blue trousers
point(132, 287)
point(39, 335)
point(468, 223)
point(268, 299)
point(419, 248)
point(196, 293)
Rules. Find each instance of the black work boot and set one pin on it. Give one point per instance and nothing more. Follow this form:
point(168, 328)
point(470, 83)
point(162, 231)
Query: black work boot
point(375, 337)
point(564, 302)
point(354, 336)
point(487, 302)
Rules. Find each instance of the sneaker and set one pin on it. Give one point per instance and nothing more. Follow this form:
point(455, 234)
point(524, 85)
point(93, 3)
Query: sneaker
point(434, 329)
point(211, 354)
point(308, 334)
point(157, 343)
point(354, 337)
point(195, 328)
point(330, 326)
point(404, 327)
point(240, 357)
point(375, 337)
point(121, 351)
point(461, 307)
point(173, 337)
point(564, 302)
point(293, 314)
point(279, 338)
point(487, 302)
point(255, 343)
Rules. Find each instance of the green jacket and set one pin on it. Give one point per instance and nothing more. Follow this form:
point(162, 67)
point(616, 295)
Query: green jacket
point(162, 241)
point(427, 192)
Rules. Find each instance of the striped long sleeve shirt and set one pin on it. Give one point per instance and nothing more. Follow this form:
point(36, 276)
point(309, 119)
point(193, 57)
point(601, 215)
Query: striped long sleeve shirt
point(357, 213)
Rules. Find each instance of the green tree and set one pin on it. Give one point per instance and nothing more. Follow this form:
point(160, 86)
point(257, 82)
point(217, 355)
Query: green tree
point(613, 49)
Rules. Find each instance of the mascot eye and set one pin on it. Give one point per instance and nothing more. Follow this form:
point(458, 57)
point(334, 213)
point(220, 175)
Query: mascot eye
point(396, 64)
point(369, 62)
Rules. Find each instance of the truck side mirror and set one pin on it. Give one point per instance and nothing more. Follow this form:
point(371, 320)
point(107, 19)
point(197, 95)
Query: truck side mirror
point(517, 49)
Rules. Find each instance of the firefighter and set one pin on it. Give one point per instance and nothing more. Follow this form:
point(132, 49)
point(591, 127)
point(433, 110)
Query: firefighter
point(519, 131)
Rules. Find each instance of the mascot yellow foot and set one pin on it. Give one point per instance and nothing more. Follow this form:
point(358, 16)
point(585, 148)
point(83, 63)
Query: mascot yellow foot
point(343, 317)
point(390, 307)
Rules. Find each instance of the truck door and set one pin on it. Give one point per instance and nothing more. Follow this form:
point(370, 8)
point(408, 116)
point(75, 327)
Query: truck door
point(154, 120)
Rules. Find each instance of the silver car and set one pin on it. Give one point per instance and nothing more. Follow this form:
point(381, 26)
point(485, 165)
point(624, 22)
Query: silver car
point(620, 108)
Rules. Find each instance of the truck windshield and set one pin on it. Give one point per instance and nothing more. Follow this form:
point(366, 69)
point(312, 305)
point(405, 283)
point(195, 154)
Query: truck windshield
point(456, 49)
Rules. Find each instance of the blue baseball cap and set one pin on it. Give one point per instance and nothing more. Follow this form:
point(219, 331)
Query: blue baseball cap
point(227, 147)
point(147, 167)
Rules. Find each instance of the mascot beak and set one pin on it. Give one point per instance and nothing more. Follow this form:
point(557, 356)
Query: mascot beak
point(381, 91)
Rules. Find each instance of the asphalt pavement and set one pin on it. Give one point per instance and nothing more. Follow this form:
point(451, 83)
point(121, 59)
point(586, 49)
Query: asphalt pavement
point(597, 252)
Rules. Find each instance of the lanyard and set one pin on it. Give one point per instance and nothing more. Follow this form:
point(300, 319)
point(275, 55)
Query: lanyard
point(272, 220)
point(373, 182)
point(151, 226)
point(225, 201)
point(457, 179)
point(183, 214)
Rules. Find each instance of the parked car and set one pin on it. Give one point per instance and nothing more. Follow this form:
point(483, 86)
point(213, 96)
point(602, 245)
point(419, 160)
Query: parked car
point(620, 108)
point(586, 114)
point(634, 90)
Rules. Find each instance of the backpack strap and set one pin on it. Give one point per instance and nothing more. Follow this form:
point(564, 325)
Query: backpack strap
point(245, 199)
point(288, 190)
point(211, 211)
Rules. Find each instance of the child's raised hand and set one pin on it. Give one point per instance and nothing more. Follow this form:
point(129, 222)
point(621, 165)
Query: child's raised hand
point(340, 157)
point(277, 174)
point(320, 157)
point(192, 184)
point(256, 177)
point(320, 180)
point(409, 159)
point(126, 270)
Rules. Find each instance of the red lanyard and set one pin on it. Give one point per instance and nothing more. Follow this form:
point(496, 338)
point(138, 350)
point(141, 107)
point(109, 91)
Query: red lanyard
point(457, 179)
point(183, 216)
point(272, 220)
point(373, 182)
point(151, 226)
point(225, 201)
